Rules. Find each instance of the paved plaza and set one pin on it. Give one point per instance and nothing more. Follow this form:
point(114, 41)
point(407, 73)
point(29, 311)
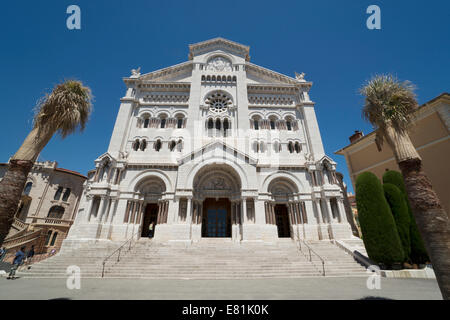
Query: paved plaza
point(266, 289)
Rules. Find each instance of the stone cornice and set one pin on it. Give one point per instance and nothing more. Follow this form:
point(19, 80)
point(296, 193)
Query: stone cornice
point(270, 74)
point(203, 46)
point(161, 73)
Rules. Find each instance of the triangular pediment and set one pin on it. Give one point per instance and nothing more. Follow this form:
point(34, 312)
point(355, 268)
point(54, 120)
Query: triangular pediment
point(217, 149)
point(219, 44)
point(260, 75)
point(178, 73)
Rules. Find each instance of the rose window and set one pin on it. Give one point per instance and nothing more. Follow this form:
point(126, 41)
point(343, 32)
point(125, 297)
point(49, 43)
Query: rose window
point(218, 102)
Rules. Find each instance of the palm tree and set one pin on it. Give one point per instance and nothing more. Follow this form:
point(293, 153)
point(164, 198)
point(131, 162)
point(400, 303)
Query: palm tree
point(389, 106)
point(63, 111)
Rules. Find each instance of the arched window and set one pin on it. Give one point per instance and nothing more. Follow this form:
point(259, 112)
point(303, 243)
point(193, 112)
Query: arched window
point(225, 127)
point(276, 146)
point(213, 78)
point(146, 122)
point(56, 212)
point(289, 125)
point(203, 78)
point(47, 239)
point(58, 193)
point(272, 123)
point(208, 78)
point(172, 145)
point(291, 147)
point(55, 235)
point(136, 145)
point(234, 79)
point(180, 121)
point(297, 147)
point(210, 124)
point(163, 123)
point(256, 146)
point(262, 146)
point(218, 124)
point(229, 79)
point(66, 194)
point(27, 188)
point(158, 145)
point(143, 144)
point(180, 145)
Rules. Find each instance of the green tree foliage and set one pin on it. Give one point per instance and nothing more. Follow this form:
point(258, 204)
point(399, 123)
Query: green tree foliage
point(378, 226)
point(418, 252)
point(399, 209)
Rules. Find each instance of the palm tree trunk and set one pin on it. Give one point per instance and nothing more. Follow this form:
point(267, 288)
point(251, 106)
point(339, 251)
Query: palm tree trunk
point(11, 188)
point(431, 218)
point(13, 182)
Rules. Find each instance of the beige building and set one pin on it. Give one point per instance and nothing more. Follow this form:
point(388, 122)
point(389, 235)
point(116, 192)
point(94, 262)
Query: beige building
point(429, 134)
point(47, 208)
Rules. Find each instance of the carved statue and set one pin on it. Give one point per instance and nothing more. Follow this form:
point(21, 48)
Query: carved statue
point(136, 72)
point(300, 77)
point(219, 64)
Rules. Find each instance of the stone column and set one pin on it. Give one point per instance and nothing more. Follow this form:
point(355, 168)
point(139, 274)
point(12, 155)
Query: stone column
point(244, 211)
point(342, 214)
point(101, 209)
point(89, 208)
point(319, 211)
point(330, 211)
point(111, 210)
point(188, 211)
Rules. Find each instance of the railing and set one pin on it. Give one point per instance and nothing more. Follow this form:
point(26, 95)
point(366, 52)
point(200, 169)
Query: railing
point(125, 246)
point(15, 241)
point(19, 224)
point(311, 251)
point(53, 221)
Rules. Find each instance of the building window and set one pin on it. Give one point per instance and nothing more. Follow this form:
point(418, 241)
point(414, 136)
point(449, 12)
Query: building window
point(276, 146)
point(172, 145)
point(289, 125)
point(225, 127)
point(146, 122)
point(262, 147)
point(180, 145)
point(218, 124)
point(143, 145)
point(291, 147)
point(55, 235)
point(136, 145)
point(66, 194)
point(180, 121)
point(158, 145)
point(47, 239)
point(58, 193)
point(163, 123)
point(27, 189)
point(56, 212)
point(297, 147)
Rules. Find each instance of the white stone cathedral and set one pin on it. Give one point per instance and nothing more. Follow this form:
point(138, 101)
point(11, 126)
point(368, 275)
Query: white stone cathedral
point(213, 147)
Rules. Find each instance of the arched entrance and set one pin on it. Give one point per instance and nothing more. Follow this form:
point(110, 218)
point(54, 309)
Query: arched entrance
point(154, 212)
point(215, 188)
point(281, 210)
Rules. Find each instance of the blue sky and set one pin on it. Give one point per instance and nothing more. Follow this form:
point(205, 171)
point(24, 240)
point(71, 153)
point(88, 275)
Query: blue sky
point(328, 40)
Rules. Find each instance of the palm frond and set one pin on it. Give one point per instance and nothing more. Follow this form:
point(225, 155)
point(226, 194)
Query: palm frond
point(65, 109)
point(388, 101)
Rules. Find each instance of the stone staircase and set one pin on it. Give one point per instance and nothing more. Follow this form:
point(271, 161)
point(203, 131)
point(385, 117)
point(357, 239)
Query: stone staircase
point(208, 259)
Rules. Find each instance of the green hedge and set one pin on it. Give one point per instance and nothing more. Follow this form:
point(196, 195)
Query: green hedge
point(378, 226)
point(399, 209)
point(418, 252)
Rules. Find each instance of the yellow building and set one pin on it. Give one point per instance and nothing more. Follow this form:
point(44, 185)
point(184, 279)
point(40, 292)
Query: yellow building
point(429, 133)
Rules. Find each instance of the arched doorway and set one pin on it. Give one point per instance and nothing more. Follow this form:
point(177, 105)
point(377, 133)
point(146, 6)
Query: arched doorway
point(282, 192)
point(214, 188)
point(154, 212)
point(216, 222)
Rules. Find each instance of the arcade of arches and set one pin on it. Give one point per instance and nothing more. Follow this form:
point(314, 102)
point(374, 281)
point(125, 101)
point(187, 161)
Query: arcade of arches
point(217, 208)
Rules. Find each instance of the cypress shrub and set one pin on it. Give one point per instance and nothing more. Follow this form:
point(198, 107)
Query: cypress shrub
point(399, 209)
point(378, 227)
point(418, 252)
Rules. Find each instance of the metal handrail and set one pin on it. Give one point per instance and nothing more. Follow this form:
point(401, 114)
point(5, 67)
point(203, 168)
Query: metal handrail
point(310, 256)
point(119, 249)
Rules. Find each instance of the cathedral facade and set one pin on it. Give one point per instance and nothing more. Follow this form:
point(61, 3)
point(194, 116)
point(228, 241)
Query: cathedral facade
point(213, 147)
